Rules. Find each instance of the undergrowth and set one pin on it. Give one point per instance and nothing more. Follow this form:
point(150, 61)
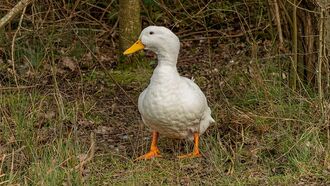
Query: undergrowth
point(70, 117)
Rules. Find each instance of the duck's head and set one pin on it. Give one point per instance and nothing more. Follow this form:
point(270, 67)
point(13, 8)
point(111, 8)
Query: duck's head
point(158, 39)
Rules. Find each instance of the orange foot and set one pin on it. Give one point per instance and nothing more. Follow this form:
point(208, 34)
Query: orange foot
point(195, 153)
point(152, 154)
point(190, 155)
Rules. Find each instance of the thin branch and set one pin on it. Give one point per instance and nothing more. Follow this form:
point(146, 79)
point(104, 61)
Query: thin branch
point(13, 46)
point(319, 69)
point(293, 73)
point(89, 156)
point(106, 72)
point(301, 8)
point(14, 11)
point(18, 87)
point(278, 24)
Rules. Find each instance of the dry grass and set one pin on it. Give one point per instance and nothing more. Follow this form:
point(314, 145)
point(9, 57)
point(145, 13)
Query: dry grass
point(265, 133)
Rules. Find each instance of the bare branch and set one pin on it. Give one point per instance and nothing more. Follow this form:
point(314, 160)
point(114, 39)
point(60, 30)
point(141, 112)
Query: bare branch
point(13, 12)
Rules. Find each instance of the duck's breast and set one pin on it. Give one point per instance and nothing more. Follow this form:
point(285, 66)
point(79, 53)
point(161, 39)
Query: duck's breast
point(174, 108)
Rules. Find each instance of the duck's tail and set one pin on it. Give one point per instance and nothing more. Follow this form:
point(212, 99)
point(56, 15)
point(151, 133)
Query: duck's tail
point(206, 121)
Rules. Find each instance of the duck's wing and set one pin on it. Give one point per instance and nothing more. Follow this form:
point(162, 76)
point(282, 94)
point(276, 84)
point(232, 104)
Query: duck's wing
point(197, 103)
point(140, 100)
point(192, 97)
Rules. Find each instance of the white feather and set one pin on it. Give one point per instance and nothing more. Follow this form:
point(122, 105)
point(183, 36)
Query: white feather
point(172, 105)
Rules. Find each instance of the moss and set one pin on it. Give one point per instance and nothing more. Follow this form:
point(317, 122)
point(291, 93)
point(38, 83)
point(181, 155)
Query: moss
point(126, 77)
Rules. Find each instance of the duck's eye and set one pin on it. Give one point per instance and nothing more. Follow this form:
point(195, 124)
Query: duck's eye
point(151, 32)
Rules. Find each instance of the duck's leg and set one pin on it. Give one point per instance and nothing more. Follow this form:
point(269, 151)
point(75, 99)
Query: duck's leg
point(195, 153)
point(154, 151)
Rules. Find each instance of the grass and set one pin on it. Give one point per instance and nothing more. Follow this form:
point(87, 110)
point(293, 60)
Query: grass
point(39, 149)
point(264, 134)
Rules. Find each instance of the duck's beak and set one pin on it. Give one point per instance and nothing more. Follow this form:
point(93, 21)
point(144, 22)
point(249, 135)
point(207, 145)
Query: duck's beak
point(134, 48)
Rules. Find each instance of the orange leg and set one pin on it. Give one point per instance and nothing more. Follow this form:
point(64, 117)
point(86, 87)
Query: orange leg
point(154, 151)
point(195, 153)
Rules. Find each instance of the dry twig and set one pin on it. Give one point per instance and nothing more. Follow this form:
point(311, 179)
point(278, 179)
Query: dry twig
point(278, 24)
point(13, 46)
point(14, 11)
point(89, 156)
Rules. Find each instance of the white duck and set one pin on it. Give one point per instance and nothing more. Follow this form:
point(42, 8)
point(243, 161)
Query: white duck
point(172, 105)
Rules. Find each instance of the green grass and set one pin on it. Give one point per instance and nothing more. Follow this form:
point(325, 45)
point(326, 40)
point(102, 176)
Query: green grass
point(274, 139)
point(264, 134)
point(37, 149)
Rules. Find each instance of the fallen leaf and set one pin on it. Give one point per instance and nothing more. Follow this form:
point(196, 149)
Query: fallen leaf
point(69, 63)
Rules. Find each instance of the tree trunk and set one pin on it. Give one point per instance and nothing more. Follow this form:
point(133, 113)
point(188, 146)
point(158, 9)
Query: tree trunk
point(129, 23)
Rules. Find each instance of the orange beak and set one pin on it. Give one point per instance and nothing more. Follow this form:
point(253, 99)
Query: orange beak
point(134, 48)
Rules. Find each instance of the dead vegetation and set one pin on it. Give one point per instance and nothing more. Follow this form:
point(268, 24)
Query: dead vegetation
point(62, 80)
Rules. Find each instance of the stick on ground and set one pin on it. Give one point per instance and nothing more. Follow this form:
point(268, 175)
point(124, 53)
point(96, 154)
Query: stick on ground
point(14, 11)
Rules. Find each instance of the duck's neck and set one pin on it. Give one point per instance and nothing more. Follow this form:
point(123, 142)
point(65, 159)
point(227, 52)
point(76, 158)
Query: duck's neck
point(166, 70)
point(169, 57)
